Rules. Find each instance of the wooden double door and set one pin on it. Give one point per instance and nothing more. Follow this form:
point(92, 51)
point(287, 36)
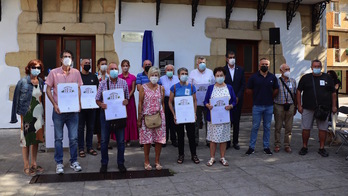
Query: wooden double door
point(50, 47)
point(246, 57)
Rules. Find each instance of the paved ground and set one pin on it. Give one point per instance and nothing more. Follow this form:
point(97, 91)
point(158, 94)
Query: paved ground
point(258, 174)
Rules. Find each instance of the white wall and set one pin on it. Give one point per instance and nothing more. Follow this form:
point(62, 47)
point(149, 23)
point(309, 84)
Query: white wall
point(175, 33)
point(8, 43)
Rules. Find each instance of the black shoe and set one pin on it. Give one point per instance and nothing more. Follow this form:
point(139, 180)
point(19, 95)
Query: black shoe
point(323, 152)
point(153, 145)
point(236, 146)
point(103, 169)
point(164, 145)
point(267, 151)
point(122, 168)
point(109, 147)
point(141, 145)
point(228, 145)
point(303, 151)
point(250, 151)
point(175, 144)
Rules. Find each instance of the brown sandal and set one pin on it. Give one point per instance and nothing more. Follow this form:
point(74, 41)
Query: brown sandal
point(38, 169)
point(29, 172)
point(92, 152)
point(82, 153)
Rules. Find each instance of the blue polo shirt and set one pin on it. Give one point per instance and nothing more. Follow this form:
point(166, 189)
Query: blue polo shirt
point(262, 88)
point(143, 79)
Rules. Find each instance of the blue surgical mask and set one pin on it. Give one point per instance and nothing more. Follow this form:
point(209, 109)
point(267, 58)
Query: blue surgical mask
point(169, 74)
point(202, 66)
point(220, 80)
point(113, 73)
point(183, 78)
point(316, 70)
point(35, 72)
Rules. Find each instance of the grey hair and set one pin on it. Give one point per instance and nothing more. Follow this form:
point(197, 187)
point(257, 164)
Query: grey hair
point(153, 70)
point(182, 69)
point(200, 58)
point(168, 66)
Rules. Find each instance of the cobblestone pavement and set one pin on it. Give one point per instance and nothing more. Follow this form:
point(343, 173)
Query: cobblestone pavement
point(258, 174)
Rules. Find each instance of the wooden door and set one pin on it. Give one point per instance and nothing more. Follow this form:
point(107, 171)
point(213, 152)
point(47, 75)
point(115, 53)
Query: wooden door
point(246, 57)
point(50, 47)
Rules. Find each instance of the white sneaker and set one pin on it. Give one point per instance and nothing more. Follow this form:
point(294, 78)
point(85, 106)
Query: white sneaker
point(60, 169)
point(76, 166)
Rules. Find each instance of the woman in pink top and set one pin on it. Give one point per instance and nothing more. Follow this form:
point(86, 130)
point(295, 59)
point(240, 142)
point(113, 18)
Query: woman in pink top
point(131, 130)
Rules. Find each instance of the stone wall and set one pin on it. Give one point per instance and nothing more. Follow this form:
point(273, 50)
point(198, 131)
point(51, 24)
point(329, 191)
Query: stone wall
point(98, 18)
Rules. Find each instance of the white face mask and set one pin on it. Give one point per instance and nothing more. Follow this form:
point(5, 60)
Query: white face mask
point(104, 67)
point(287, 74)
point(67, 61)
point(231, 61)
point(154, 79)
point(125, 69)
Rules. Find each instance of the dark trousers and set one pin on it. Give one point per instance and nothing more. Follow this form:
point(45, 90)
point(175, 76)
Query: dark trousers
point(105, 138)
point(86, 117)
point(236, 113)
point(190, 130)
point(170, 126)
point(201, 113)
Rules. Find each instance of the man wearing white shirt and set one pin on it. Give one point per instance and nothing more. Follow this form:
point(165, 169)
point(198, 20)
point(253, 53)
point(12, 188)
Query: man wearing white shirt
point(201, 75)
point(168, 81)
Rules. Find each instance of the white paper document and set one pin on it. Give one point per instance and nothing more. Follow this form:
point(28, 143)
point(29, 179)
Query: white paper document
point(114, 106)
point(201, 90)
point(184, 109)
point(88, 93)
point(219, 114)
point(68, 97)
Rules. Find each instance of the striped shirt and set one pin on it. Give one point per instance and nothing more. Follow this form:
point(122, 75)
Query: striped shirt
point(283, 93)
point(143, 79)
point(120, 83)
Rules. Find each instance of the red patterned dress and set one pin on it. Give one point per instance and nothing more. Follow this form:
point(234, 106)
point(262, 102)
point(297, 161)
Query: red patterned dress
point(151, 105)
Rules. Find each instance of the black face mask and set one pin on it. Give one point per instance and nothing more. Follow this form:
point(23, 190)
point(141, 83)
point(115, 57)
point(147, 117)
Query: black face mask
point(264, 68)
point(147, 68)
point(87, 67)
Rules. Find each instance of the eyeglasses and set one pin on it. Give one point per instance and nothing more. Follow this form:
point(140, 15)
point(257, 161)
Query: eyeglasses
point(34, 67)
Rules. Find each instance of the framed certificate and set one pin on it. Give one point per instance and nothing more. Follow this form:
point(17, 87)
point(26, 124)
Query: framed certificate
point(68, 97)
point(114, 104)
point(201, 90)
point(184, 109)
point(88, 93)
point(219, 114)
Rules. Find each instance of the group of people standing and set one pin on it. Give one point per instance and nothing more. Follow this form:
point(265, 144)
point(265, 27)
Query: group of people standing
point(270, 95)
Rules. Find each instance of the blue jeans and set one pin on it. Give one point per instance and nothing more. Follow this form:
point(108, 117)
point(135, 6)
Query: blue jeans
point(71, 120)
point(105, 137)
point(265, 112)
point(86, 117)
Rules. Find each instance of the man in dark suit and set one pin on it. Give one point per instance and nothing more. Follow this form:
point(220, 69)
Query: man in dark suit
point(235, 78)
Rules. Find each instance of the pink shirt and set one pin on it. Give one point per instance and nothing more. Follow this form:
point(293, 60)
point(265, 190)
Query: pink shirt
point(57, 76)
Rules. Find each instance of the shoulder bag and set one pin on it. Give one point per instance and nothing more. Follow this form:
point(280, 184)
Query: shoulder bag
point(117, 123)
point(321, 112)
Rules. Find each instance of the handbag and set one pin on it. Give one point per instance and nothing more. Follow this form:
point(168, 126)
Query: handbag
point(155, 120)
point(321, 112)
point(117, 123)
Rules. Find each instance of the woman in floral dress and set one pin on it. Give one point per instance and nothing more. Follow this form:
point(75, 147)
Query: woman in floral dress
point(151, 101)
point(27, 102)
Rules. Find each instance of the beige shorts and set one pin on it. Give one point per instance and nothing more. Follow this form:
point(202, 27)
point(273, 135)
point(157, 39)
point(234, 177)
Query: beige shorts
point(308, 118)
